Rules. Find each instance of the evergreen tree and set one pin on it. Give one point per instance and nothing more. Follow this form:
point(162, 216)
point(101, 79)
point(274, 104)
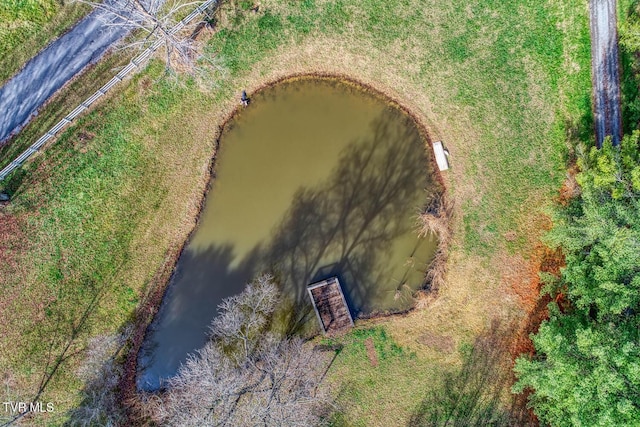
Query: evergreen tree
point(587, 368)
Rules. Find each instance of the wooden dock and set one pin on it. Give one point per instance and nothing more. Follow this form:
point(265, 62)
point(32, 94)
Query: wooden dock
point(330, 305)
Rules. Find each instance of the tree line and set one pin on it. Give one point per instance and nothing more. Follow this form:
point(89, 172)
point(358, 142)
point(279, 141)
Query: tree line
point(587, 365)
point(586, 370)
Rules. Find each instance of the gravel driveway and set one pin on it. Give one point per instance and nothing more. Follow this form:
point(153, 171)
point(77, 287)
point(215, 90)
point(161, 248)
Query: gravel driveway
point(605, 71)
point(43, 75)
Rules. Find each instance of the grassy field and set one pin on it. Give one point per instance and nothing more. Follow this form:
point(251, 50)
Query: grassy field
point(407, 388)
point(384, 372)
point(98, 216)
point(63, 102)
point(26, 26)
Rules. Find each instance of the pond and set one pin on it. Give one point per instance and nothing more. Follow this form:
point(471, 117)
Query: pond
point(316, 177)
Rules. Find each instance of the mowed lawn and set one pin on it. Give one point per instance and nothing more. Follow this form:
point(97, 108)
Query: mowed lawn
point(100, 215)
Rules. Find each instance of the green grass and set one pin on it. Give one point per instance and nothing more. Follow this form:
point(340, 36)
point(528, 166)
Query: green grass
point(81, 240)
point(399, 376)
point(404, 389)
point(501, 82)
point(22, 18)
point(61, 104)
point(27, 26)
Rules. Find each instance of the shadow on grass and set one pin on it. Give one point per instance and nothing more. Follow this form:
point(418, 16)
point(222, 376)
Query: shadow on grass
point(61, 338)
point(478, 393)
point(12, 185)
point(581, 130)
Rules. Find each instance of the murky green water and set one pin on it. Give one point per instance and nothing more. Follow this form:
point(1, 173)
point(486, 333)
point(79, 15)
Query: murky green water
point(315, 178)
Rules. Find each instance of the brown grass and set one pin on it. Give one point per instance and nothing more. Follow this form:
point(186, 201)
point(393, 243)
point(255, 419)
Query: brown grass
point(371, 352)
point(442, 343)
point(11, 239)
point(11, 243)
point(570, 188)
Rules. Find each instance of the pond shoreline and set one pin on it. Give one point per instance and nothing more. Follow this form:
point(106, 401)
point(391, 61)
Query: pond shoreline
point(151, 303)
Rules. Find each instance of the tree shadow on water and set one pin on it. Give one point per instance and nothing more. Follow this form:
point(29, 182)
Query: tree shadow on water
point(346, 226)
point(201, 281)
point(342, 227)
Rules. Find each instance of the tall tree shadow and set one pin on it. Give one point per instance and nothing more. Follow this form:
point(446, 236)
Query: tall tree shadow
point(343, 227)
point(58, 338)
point(478, 393)
point(346, 226)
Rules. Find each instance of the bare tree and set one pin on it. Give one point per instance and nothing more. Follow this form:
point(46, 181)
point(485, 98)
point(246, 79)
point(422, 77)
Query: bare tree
point(247, 376)
point(153, 21)
point(288, 394)
point(243, 319)
point(278, 388)
point(101, 374)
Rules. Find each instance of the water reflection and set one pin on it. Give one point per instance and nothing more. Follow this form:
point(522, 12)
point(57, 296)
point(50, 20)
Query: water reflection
point(186, 312)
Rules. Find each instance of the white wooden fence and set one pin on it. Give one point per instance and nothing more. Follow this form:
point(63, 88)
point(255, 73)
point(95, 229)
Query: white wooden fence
point(134, 64)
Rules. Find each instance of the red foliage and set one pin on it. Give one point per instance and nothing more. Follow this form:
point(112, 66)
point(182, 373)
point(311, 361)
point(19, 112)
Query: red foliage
point(528, 286)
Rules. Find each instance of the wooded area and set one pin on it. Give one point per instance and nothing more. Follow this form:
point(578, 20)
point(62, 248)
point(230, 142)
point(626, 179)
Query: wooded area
point(587, 369)
point(247, 374)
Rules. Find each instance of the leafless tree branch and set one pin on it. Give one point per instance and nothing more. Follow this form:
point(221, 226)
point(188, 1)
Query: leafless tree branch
point(246, 376)
point(153, 21)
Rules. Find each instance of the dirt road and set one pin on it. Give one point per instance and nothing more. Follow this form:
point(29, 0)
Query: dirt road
point(605, 71)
